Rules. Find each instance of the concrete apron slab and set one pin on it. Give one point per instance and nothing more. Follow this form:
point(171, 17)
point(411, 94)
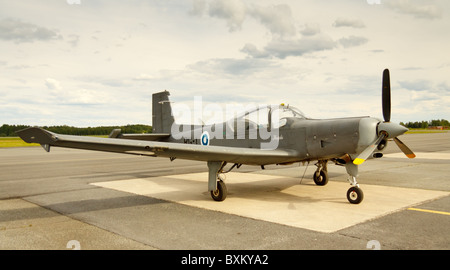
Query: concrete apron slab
point(27, 226)
point(279, 199)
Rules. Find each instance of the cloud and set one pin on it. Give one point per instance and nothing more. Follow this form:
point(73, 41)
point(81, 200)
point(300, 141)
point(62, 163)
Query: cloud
point(85, 97)
point(198, 7)
point(310, 29)
point(281, 48)
point(74, 96)
point(73, 40)
point(241, 67)
point(343, 22)
point(80, 96)
point(278, 18)
point(144, 77)
point(233, 11)
point(445, 87)
point(52, 84)
point(352, 41)
point(417, 85)
point(422, 96)
point(422, 11)
point(251, 50)
point(304, 45)
point(18, 31)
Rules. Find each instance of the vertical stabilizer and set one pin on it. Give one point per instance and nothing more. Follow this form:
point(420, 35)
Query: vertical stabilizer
point(161, 112)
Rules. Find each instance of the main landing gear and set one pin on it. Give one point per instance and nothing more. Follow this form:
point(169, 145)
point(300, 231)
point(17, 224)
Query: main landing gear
point(320, 177)
point(216, 185)
point(355, 194)
point(218, 189)
point(221, 191)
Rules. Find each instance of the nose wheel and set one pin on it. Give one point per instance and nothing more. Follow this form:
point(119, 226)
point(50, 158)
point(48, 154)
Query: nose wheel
point(355, 195)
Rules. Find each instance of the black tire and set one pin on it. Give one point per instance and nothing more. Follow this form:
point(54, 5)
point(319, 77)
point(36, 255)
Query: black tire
point(320, 178)
point(355, 195)
point(220, 193)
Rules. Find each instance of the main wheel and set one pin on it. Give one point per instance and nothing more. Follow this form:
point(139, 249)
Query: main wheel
point(320, 178)
point(355, 195)
point(220, 193)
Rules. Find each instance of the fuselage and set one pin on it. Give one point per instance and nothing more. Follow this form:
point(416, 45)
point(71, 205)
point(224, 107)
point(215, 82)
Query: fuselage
point(313, 139)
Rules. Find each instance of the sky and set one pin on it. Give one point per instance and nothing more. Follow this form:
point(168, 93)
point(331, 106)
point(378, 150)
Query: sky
point(97, 62)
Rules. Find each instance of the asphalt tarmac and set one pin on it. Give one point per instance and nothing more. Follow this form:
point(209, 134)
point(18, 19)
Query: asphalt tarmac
point(75, 199)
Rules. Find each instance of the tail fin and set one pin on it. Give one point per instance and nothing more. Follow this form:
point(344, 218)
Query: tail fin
point(162, 113)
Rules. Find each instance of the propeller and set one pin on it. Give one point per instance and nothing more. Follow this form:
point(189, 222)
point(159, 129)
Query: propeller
point(368, 151)
point(404, 148)
point(386, 96)
point(386, 129)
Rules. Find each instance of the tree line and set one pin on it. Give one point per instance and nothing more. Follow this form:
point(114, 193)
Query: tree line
point(426, 124)
point(10, 130)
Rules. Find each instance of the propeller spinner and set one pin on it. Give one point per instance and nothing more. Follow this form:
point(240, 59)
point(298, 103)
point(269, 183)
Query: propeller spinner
point(386, 129)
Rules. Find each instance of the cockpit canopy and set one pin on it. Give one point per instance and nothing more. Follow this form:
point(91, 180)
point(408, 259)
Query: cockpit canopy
point(275, 114)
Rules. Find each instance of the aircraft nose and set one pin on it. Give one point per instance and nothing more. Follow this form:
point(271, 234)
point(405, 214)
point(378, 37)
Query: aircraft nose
point(393, 130)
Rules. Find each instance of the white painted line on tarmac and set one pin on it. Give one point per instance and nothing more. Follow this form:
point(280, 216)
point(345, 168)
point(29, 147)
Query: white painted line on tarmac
point(422, 155)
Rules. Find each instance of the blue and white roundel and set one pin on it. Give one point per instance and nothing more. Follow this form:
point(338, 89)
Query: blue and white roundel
point(205, 138)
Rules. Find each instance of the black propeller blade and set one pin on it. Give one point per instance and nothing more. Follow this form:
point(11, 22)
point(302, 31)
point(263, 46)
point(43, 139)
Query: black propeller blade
point(404, 148)
point(386, 96)
point(386, 129)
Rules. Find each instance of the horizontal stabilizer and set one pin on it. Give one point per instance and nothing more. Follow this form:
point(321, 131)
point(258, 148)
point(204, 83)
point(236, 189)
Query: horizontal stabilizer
point(146, 136)
point(116, 134)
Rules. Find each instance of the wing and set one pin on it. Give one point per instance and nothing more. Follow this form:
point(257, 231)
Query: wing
point(238, 155)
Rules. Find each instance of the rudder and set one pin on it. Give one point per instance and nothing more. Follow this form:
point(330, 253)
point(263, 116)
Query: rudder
point(162, 118)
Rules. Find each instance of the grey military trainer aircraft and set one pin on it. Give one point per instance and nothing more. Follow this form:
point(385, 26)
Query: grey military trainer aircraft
point(285, 136)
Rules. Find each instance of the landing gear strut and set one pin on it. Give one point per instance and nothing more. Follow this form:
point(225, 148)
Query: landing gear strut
point(320, 176)
point(355, 195)
point(216, 186)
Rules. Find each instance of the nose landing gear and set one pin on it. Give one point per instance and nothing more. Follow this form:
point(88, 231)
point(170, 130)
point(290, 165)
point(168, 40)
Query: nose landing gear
point(355, 195)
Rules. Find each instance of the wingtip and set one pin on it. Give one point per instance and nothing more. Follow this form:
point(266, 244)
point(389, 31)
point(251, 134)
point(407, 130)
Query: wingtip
point(35, 135)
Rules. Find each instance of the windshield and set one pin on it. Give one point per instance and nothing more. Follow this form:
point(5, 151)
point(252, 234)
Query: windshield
point(289, 111)
point(277, 114)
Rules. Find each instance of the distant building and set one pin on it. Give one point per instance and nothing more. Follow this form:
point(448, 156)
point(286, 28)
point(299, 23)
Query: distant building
point(438, 127)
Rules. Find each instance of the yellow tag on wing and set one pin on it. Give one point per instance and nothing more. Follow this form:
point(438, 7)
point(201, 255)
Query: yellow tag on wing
point(358, 161)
